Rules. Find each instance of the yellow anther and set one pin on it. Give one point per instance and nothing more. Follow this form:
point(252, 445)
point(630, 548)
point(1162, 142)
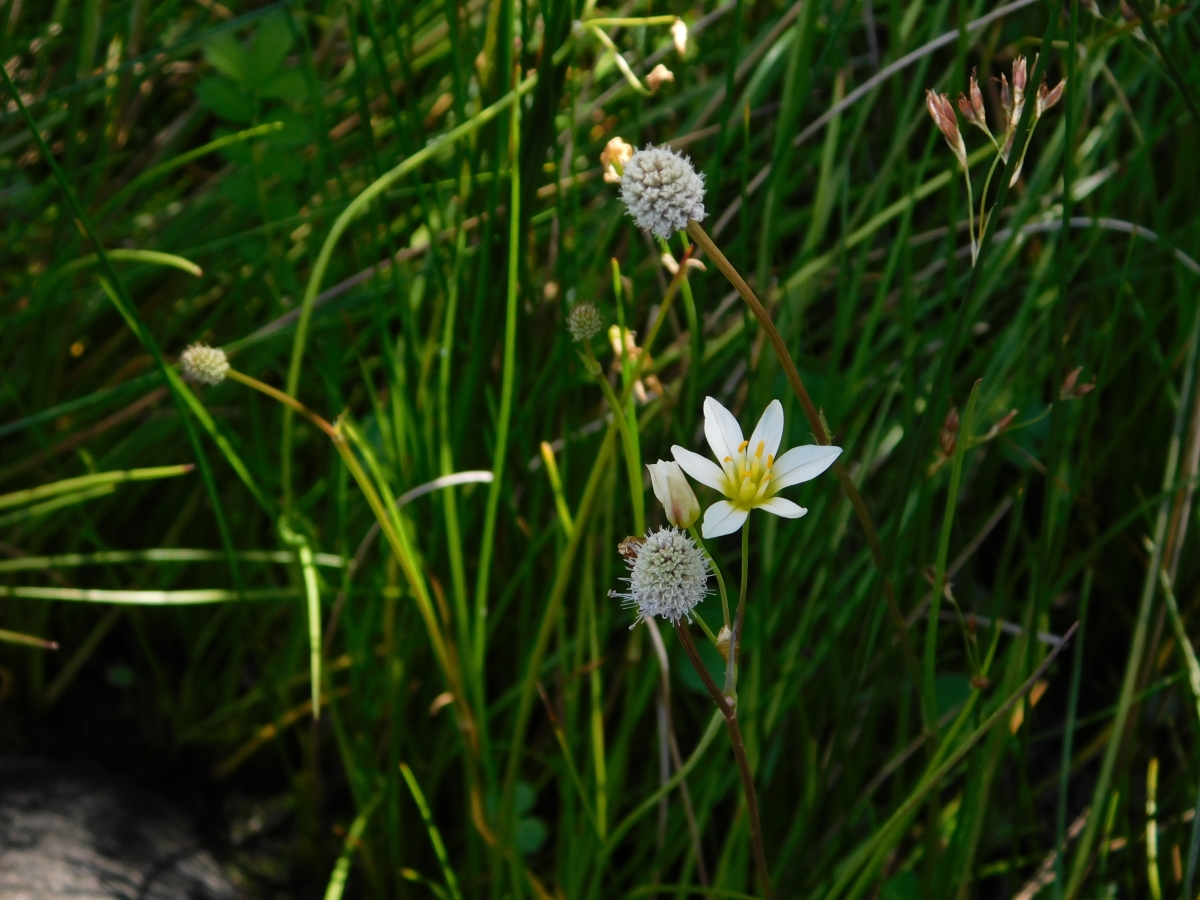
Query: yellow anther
point(729, 459)
point(742, 446)
point(761, 446)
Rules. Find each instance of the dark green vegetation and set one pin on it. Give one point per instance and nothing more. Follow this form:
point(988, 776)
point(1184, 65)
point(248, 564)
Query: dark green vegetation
point(473, 641)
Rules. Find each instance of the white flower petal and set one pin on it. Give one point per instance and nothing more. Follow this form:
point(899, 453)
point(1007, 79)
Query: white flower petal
point(769, 431)
point(781, 506)
point(802, 464)
point(722, 518)
point(704, 470)
point(722, 429)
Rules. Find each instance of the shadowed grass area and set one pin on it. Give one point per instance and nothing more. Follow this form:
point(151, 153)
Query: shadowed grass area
point(376, 638)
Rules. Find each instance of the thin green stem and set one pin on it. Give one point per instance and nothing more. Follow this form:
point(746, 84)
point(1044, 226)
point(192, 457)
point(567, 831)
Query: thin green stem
point(712, 562)
point(987, 183)
point(735, 640)
point(970, 215)
point(943, 551)
point(477, 649)
point(637, 495)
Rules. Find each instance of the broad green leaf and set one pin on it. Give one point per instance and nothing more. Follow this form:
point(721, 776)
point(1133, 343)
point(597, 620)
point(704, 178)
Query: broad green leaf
point(225, 98)
point(284, 84)
point(228, 57)
point(269, 48)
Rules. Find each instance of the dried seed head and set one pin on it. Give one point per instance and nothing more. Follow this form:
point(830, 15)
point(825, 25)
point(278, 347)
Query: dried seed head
point(1020, 72)
point(662, 190)
point(1047, 98)
point(942, 111)
point(207, 365)
point(613, 158)
point(657, 76)
point(972, 108)
point(668, 576)
point(584, 321)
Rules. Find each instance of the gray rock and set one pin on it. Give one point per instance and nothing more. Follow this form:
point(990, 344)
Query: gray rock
point(73, 832)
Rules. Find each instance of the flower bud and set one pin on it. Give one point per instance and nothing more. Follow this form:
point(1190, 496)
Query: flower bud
point(679, 34)
point(673, 491)
point(584, 321)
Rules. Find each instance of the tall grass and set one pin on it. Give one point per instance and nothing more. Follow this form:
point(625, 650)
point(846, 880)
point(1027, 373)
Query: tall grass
point(414, 686)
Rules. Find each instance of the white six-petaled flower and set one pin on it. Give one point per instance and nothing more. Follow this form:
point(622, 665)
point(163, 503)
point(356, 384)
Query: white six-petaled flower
point(750, 475)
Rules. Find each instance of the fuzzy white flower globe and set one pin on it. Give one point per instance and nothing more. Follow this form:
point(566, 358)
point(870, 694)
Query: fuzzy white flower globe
point(662, 190)
point(208, 365)
point(668, 576)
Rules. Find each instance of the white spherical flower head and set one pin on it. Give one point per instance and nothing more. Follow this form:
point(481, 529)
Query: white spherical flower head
point(662, 190)
point(668, 576)
point(750, 474)
point(584, 321)
point(207, 365)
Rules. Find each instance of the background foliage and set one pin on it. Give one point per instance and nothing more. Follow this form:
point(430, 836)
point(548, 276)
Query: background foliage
point(232, 136)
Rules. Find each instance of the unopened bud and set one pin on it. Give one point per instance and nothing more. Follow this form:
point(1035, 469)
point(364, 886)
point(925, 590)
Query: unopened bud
point(584, 321)
point(673, 491)
point(679, 33)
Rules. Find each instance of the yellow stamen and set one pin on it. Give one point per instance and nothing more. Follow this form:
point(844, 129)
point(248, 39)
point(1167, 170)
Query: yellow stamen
point(742, 446)
point(770, 460)
point(761, 446)
point(729, 459)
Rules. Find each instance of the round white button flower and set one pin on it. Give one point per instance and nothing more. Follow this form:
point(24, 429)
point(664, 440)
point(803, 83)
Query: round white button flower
point(750, 475)
point(668, 576)
point(207, 365)
point(662, 190)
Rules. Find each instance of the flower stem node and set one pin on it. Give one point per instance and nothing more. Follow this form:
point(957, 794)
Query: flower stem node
point(584, 321)
point(668, 576)
point(749, 474)
point(208, 365)
point(674, 493)
point(662, 190)
point(724, 637)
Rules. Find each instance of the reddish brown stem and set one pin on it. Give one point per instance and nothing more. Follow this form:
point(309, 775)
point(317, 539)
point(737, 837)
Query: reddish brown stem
point(739, 753)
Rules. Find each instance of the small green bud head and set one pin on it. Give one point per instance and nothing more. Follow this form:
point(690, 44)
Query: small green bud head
point(584, 321)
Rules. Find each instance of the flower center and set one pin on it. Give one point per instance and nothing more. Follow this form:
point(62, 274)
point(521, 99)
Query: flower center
point(748, 475)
